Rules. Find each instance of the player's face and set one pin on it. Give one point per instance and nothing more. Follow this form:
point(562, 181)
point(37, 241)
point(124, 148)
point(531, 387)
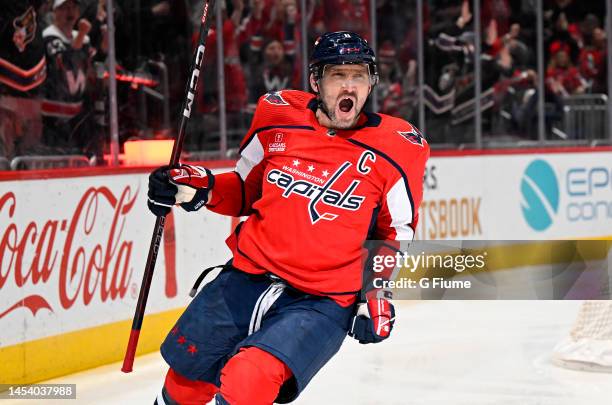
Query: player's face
point(344, 90)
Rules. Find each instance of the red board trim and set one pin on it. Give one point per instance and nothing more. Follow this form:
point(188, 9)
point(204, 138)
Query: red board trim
point(217, 164)
point(95, 171)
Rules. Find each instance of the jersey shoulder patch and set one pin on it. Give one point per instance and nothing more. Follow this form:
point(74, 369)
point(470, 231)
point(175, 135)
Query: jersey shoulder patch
point(412, 135)
point(286, 107)
point(409, 133)
point(275, 98)
point(296, 98)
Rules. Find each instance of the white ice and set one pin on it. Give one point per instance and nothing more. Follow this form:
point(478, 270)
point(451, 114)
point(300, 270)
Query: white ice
point(440, 353)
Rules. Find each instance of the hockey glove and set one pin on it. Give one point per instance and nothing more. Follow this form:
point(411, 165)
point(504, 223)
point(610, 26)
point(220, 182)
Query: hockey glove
point(193, 184)
point(161, 192)
point(373, 321)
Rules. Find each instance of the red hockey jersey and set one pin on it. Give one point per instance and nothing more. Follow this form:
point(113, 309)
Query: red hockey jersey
point(314, 195)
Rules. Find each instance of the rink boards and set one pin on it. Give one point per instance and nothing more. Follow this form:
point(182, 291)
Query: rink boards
point(73, 246)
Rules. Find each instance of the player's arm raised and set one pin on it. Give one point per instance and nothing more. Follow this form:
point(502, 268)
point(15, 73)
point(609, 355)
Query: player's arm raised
point(192, 187)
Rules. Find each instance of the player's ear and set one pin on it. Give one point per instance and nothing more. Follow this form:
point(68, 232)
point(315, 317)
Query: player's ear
point(313, 84)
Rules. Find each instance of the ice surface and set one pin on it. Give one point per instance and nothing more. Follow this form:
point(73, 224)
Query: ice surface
point(440, 353)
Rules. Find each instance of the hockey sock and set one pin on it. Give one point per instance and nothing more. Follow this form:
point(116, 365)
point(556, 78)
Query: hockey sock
point(253, 377)
point(180, 390)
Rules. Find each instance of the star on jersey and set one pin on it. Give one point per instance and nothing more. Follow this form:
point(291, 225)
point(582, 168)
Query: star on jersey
point(311, 168)
point(296, 163)
point(325, 173)
point(413, 136)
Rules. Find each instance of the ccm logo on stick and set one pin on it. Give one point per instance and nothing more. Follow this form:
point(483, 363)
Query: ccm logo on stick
point(193, 82)
point(205, 13)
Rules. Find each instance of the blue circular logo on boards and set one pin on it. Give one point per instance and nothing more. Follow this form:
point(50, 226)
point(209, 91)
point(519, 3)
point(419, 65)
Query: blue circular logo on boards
point(540, 192)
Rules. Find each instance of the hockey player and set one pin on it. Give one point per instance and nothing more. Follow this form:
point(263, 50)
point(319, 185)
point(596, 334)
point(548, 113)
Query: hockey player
point(316, 177)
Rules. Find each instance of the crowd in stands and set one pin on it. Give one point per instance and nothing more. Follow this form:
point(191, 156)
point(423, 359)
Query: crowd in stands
point(575, 63)
point(53, 76)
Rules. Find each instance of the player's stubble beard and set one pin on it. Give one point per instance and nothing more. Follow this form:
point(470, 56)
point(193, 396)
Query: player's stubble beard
point(329, 112)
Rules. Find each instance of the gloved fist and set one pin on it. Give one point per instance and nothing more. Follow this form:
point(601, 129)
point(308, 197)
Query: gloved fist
point(161, 192)
point(185, 185)
point(193, 184)
point(374, 321)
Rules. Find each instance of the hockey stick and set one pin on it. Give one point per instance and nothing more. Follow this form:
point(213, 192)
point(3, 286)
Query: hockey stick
point(196, 66)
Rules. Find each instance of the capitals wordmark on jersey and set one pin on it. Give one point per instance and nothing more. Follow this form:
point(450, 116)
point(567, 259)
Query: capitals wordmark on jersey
point(317, 194)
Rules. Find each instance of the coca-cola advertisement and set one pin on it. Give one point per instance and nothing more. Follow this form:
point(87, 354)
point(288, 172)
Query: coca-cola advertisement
point(73, 252)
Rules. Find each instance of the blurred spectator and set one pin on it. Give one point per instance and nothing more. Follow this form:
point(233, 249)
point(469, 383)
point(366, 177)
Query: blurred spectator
point(149, 32)
point(498, 11)
point(95, 12)
point(151, 29)
point(389, 88)
point(582, 32)
point(573, 10)
point(515, 92)
point(235, 81)
point(593, 61)
point(442, 15)
point(561, 35)
point(274, 73)
point(22, 71)
point(234, 36)
point(342, 15)
point(562, 77)
point(273, 19)
point(448, 77)
point(66, 114)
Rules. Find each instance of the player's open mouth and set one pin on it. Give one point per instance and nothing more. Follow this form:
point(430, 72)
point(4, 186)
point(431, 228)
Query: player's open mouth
point(345, 106)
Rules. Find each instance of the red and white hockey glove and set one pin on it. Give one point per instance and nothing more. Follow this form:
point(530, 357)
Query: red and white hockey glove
point(374, 321)
point(185, 185)
point(193, 183)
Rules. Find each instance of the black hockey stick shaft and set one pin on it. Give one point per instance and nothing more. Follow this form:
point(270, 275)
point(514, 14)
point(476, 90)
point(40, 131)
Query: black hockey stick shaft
point(190, 92)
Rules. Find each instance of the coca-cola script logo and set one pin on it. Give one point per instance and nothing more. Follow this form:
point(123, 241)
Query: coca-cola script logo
point(94, 259)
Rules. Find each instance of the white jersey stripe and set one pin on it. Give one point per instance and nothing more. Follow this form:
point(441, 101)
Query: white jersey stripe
point(400, 210)
point(250, 157)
